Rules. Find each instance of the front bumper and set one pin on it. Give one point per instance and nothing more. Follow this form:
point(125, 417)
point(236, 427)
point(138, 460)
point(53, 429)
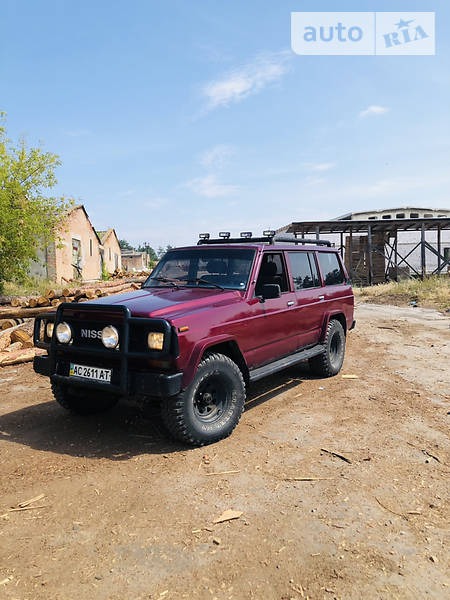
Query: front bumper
point(149, 384)
point(135, 369)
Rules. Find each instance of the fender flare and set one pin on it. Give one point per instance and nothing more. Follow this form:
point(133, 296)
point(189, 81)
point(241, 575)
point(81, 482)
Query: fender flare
point(199, 351)
point(327, 318)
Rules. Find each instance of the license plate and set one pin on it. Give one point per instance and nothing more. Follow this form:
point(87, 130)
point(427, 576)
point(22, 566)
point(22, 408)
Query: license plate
point(93, 373)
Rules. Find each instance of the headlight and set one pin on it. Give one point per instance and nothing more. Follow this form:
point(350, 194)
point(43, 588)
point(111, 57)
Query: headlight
point(63, 333)
point(49, 329)
point(110, 337)
point(155, 340)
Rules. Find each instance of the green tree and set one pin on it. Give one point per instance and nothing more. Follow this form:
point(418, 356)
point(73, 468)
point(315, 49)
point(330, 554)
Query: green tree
point(27, 216)
point(145, 247)
point(161, 251)
point(125, 245)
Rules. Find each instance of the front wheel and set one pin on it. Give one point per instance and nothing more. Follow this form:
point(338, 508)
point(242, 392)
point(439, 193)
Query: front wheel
point(210, 407)
point(329, 363)
point(82, 402)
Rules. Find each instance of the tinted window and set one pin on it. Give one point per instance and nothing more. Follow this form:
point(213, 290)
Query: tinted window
point(224, 267)
point(272, 271)
point(304, 270)
point(330, 267)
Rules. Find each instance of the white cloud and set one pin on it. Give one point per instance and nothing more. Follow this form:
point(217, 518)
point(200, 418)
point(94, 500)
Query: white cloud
point(217, 156)
point(155, 203)
point(310, 181)
point(127, 193)
point(374, 110)
point(319, 167)
point(210, 187)
point(244, 81)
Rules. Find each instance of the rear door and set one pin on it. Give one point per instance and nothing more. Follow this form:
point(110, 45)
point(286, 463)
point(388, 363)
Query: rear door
point(309, 297)
point(336, 291)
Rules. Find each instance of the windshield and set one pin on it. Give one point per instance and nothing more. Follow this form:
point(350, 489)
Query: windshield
point(222, 268)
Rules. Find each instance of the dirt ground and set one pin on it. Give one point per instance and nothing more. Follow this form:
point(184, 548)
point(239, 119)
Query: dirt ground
point(128, 514)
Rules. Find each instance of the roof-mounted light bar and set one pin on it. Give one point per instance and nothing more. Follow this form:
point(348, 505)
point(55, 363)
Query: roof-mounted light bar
point(269, 237)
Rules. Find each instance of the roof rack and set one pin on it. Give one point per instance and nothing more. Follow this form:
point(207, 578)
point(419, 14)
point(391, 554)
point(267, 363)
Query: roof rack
point(240, 240)
point(292, 239)
point(266, 239)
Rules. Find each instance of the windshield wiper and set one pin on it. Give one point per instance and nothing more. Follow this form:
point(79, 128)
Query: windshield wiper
point(206, 282)
point(172, 282)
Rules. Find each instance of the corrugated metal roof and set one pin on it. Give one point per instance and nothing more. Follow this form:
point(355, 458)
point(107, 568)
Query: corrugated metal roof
point(362, 226)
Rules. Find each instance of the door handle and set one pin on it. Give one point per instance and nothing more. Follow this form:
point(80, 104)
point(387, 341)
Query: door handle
point(321, 297)
point(291, 303)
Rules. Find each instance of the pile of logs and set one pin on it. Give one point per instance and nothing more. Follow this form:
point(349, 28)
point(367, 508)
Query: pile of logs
point(17, 322)
point(16, 341)
point(21, 306)
point(121, 273)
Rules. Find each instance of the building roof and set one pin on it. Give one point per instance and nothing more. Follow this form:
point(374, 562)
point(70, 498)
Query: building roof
point(72, 209)
point(401, 209)
point(360, 226)
point(104, 235)
point(131, 253)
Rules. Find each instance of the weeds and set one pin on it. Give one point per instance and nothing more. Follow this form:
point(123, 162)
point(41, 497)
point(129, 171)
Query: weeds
point(432, 292)
point(32, 287)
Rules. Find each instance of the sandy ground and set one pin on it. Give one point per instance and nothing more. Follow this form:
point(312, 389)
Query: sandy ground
point(128, 514)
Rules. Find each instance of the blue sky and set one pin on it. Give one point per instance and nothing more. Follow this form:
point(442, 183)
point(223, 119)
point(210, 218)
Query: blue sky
point(173, 117)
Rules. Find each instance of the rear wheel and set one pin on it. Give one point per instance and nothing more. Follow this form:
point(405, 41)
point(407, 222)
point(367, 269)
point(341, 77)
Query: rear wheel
point(329, 363)
point(210, 407)
point(81, 401)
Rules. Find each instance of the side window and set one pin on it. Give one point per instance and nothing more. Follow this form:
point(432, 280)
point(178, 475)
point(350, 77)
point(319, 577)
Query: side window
point(330, 267)
point(304, 270)
point(272, 271)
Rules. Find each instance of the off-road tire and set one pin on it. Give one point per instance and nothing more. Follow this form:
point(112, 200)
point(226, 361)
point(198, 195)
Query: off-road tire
point(329, 363)
point(81, 401)
point(210, 407)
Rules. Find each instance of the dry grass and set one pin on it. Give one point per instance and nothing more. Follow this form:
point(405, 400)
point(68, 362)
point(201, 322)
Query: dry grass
point(32, 288)
point(432, 292)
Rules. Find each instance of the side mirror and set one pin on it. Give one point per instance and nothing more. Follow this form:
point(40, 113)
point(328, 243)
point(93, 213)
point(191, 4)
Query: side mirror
point(271, 290)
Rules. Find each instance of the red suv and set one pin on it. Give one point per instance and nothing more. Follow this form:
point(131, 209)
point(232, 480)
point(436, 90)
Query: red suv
point(208, 321)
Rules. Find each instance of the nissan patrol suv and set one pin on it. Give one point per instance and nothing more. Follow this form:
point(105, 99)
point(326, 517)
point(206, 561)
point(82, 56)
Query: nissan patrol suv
point(209, 320)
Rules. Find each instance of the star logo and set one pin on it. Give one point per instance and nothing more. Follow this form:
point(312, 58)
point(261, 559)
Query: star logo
point(402, 24)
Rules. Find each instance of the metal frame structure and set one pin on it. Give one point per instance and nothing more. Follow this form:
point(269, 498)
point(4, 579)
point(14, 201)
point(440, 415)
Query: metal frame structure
point(390, 229)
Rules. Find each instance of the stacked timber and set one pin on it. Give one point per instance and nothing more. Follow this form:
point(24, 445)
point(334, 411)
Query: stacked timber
point(17, 312)
point(31, 306)
point(16, 341)
point(121, 273)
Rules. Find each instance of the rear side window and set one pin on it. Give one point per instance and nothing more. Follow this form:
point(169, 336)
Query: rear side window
point(330, 267)
point(304, 270)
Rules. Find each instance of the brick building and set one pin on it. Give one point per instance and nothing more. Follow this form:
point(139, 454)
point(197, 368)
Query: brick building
point(110, 250)
point(135, 261)
point(73, 254)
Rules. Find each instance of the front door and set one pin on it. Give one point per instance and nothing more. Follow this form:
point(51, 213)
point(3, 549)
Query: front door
point(270, 334)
